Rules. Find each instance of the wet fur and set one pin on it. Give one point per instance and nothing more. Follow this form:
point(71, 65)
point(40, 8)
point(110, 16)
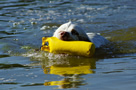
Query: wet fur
point(73, 32)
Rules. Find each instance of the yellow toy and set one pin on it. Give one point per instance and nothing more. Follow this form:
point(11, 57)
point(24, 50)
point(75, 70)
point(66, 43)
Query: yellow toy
point(54, 45)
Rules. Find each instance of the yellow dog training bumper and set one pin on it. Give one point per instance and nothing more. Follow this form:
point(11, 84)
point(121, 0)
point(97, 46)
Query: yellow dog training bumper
point(54, 45)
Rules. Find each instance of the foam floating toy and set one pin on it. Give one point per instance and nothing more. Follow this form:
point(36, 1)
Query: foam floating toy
point(80, 48)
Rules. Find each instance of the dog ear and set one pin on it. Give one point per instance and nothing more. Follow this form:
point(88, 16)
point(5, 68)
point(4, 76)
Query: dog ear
point(84, 38)
point(87, 39)
point(74, 32)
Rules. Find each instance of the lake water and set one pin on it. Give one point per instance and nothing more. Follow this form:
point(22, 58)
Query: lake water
point(24, 22)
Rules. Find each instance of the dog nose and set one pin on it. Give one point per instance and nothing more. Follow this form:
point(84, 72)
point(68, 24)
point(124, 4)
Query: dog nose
point(64, 33)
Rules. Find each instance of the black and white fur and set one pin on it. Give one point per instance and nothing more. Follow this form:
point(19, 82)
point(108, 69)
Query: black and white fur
point(73, 32)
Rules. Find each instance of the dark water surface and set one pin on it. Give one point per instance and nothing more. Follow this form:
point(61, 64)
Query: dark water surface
point(24, 22)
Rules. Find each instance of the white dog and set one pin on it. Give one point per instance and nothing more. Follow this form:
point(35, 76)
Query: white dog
point(71, 32)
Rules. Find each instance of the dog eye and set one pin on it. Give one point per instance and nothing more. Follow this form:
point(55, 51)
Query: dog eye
point(74, 32)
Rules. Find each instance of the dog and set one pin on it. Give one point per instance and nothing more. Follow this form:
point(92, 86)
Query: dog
point(73, 32)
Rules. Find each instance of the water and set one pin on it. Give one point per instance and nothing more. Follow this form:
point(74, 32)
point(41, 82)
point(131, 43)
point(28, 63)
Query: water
point(24, 22)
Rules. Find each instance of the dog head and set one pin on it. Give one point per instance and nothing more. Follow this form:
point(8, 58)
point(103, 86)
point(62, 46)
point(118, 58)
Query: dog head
point(71, 32)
